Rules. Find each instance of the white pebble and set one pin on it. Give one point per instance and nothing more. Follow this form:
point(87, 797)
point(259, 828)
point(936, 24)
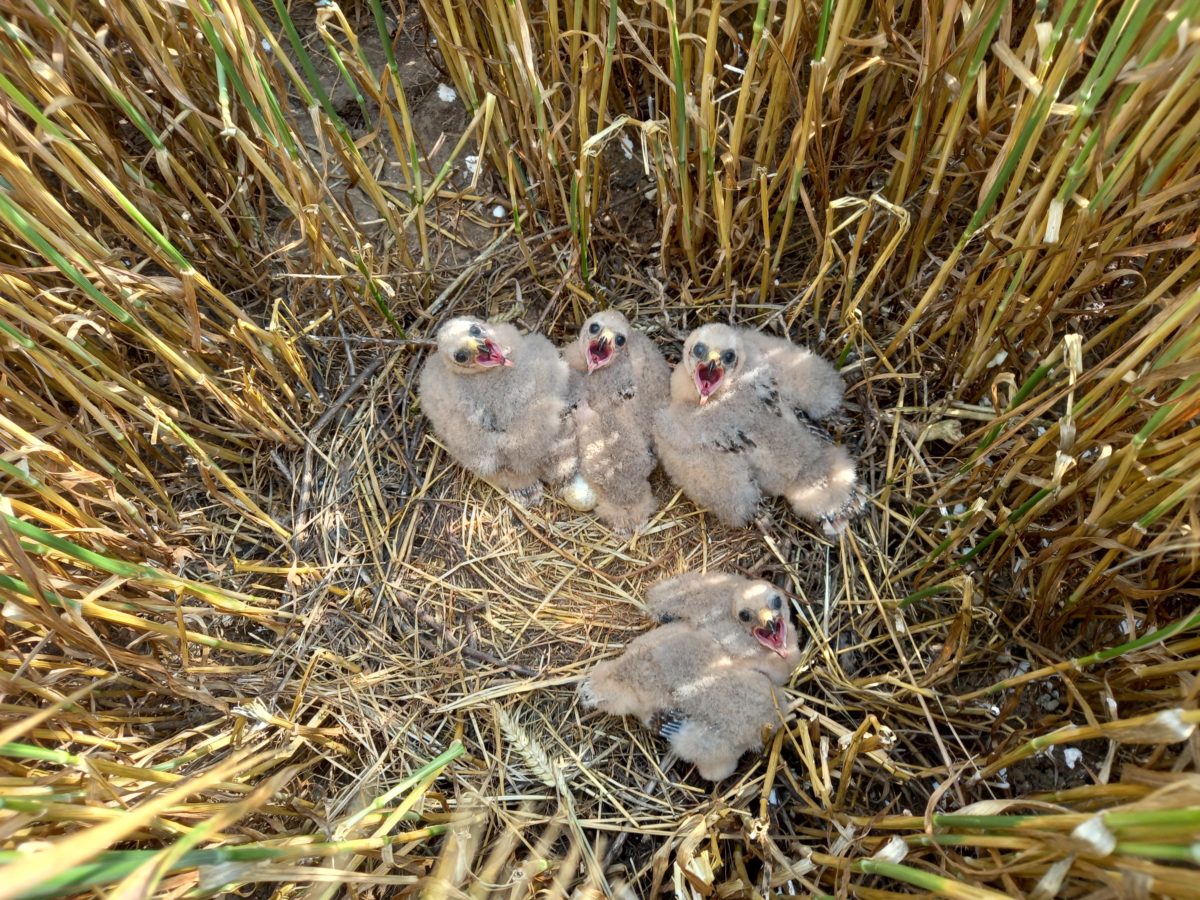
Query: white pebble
point(498, 211)
point(472, 164)
point(1071, 756)
point(446, 93)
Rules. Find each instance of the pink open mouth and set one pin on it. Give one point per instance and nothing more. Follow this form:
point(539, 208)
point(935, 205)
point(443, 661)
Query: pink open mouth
point(774, 636)
point(599, 353)
point(708, 378)
point(490, 354)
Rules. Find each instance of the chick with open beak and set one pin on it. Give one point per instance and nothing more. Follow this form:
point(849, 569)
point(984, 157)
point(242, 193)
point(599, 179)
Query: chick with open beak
point(746, 616)
point(707, 679)
point(768, 626)
point(600, 344)
point(624, 383)
point(739, 428)
point(763, 636)
point(498, 400)
point(471, 347)
point(710, 367)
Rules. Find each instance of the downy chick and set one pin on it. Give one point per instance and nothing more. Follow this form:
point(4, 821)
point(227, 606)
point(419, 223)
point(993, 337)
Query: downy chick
point(685, 682)
point(744, 616)
point(731, 434)
point(625, 382)
point(498, 400)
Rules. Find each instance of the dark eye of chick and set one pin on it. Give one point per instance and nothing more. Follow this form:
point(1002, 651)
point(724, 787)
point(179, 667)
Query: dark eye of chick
point(728, 357)
point(700, 351)
point(461, 356)
point(620, 340)
point(595, 329)
point(744, 615)
point(476, 331)
point(776, 602)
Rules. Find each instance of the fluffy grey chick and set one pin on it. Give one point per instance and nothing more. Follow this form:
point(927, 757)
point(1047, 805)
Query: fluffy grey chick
point(700, 686)
point(732, 433)
point(498, 400)
point(744, 615)
point(625, 381)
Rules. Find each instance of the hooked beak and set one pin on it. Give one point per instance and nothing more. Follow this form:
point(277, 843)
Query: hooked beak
point(488, 354)
point(600, 351)
point(773, 633)
point(708, 376)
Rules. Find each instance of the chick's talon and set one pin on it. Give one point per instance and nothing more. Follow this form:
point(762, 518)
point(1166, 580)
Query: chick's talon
point(529, 497)
point(835, 523)
point(668, 723)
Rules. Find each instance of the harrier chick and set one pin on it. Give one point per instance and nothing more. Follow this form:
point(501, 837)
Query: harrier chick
point(744, 615)
point(498, 400)
point(709, 694)
point(737, 429)
point(625, 382)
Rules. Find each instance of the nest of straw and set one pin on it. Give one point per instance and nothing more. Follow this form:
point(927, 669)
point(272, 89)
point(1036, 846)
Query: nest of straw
point(466, 617)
